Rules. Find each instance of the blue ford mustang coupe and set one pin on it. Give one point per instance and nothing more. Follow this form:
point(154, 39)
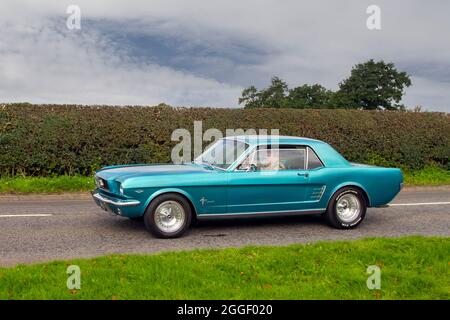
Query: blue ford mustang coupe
point(243, 176)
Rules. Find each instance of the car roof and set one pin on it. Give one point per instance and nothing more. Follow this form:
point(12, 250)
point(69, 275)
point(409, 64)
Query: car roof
point(265, 139)
point(327, 154)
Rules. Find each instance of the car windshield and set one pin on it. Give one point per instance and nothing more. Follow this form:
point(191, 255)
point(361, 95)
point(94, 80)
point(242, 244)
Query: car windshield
point(223, 153)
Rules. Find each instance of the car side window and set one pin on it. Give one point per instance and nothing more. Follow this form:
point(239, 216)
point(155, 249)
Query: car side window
point(275, 159)
point(313, 160)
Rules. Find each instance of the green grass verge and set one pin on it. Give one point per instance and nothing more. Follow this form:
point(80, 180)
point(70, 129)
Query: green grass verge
point(56, 184)
point(411, 268)
point(430, 175)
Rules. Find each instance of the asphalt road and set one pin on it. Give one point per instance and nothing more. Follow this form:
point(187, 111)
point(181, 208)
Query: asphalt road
point(49, 228)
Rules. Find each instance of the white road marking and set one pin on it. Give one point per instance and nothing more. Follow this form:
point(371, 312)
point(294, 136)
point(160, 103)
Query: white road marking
point(25, 215)
point(418, 204)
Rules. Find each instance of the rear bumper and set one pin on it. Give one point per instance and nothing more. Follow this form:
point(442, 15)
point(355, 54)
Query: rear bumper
point(115, 205)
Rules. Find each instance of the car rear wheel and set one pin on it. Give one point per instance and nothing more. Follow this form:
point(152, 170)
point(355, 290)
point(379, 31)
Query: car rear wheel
point(347, 208)
point(168, 216)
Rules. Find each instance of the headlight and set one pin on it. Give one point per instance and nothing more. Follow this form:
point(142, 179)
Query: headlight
point(100, 183)
point(121, 190)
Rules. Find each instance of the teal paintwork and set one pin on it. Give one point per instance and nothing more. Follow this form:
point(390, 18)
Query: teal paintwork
point(214, 192)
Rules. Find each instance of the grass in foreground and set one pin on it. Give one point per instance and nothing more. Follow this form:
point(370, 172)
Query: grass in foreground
point(411, 268)
point(431, 175)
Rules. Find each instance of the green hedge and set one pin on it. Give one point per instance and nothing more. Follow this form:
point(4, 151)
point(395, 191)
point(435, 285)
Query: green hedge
point(63, 139)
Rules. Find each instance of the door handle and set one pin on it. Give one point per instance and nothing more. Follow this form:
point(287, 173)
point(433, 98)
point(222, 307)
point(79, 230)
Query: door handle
point(304, 174)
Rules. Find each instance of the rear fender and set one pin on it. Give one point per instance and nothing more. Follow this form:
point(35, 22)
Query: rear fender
point(351, 184)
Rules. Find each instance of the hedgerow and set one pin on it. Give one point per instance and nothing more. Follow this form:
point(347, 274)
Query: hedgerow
point(46, 140)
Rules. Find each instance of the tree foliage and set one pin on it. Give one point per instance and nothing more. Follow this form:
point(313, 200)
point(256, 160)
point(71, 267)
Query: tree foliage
point(278, 95)
point(310, 96)
point(371, 85)
point(274, 95)
point(374, 85)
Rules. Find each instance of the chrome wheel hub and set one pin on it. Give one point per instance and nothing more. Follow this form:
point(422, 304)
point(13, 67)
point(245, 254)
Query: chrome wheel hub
point(170, 216)
point(348, 207)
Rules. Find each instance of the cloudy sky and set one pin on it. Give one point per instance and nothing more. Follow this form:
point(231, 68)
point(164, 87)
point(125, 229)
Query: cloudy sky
point(203, 53)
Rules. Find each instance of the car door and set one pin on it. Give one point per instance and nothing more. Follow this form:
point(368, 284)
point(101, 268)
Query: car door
point(317, 181)
point(271, 186)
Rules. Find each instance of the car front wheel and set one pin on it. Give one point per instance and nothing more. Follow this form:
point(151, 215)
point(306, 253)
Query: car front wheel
point(347, 208)
point(168, 216)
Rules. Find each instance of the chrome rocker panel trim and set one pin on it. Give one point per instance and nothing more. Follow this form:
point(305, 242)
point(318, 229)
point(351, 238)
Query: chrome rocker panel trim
point(259, 214)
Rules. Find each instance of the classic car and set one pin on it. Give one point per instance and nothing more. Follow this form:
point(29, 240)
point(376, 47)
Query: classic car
point(247, 176)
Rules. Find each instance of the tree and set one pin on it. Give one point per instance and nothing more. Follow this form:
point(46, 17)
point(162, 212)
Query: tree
point(250, 97)
point(309, 96)
point(274, 96)
point(373, 85)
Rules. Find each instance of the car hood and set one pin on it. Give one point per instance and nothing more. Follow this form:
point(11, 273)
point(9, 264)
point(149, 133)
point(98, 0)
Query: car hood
point(123, 172)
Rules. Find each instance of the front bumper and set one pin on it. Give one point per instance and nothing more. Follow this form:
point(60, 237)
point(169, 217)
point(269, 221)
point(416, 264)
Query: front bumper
point(115, 205)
